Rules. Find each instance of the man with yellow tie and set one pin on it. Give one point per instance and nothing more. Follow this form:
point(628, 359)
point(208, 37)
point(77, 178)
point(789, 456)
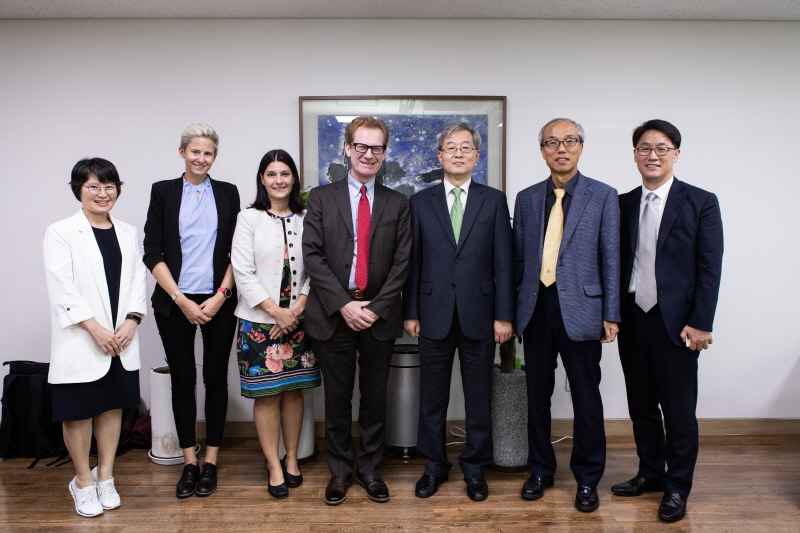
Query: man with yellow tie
point(567, 270)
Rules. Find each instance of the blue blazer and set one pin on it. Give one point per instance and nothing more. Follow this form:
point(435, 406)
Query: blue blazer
point(688, 255)
point(476, 275)
point(588, 267)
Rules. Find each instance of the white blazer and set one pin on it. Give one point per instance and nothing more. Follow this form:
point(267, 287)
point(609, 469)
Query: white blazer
point(257, 260)
point(76, 284)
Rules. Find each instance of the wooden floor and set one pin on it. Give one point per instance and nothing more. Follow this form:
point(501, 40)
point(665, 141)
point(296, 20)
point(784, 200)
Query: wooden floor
point(742, 483)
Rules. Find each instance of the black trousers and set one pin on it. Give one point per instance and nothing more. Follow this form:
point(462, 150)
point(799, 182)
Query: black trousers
point(177, 336)
point(337, 358)
point(658, 372)
point(544, 339)
point(476, 358)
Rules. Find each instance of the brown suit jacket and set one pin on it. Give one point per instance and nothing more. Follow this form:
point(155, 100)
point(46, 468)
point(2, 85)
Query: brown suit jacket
point(328, 256)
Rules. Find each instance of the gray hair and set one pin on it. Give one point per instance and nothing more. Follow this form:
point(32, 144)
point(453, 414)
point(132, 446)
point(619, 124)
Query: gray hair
point(458, 126)
point(199, 130)
point(577, 126)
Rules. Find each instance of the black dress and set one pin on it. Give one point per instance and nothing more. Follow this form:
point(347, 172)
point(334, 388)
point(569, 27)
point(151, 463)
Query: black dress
point(119, 388)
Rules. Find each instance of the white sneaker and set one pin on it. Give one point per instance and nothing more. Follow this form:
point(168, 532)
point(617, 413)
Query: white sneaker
point(86, 502)
point(106, 492)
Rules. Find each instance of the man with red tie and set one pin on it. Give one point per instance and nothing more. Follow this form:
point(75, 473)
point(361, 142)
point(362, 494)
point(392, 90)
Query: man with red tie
point(356, 247)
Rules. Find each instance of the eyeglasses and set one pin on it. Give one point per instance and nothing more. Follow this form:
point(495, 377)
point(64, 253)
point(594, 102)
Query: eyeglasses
point(660, 150)
point(110, 190)
point(552, 144)
point(362, 148)
point(466, 150)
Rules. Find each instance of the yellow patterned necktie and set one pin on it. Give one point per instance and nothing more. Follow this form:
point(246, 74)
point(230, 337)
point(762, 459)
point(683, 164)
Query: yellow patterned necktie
point(552, 240)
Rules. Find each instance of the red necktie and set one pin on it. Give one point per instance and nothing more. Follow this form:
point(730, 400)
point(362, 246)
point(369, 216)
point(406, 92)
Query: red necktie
point(362, 255)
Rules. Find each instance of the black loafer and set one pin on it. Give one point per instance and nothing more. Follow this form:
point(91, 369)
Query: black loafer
point(428, 485)
point(637, 486)
point(534, 488)
point(188, 482)
point(477, 489)
point(207, 483)
point(673, 507)
point(278, 491)
point(377, 490)
point(292, 481)
point(586, 499)
point(336, 491)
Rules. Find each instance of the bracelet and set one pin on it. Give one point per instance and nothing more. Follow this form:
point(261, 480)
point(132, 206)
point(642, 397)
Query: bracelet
point(135, 318)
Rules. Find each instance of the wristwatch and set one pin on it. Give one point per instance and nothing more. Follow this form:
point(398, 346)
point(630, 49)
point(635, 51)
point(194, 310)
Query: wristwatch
point(135, 318)
point(226, 292)
point(175, 295)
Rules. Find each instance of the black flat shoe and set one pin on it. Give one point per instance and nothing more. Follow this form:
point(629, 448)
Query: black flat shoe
point(278, 491)
point(207, 483)
point(188, 482)
point(292, 481)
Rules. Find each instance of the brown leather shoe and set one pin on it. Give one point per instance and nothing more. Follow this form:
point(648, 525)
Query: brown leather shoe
point(336, 491)
point(377, 490)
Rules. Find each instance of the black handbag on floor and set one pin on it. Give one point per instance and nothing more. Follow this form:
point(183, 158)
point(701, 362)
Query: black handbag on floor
point(27, 428)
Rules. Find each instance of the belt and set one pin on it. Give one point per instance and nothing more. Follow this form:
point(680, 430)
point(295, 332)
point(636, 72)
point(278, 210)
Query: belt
point(357, 294)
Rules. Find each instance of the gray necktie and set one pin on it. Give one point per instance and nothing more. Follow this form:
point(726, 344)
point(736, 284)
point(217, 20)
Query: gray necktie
point(646, 292)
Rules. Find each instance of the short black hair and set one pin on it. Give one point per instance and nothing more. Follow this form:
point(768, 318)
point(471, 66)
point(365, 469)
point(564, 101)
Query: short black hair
point(104, 169)
point(663, 126)
point(262, 198)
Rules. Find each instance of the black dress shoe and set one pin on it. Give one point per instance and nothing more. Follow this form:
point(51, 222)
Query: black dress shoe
point(637, 486)
point(673, 507)
point(477, 489)
point(207, 483)
point(533, 489)
point(188, 482)
point(586, 499)
point(336, 491)
point(428, 485)
point(377, 490)
point(292, 481)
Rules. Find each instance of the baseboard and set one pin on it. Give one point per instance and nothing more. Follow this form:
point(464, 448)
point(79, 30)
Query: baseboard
point(563, 426)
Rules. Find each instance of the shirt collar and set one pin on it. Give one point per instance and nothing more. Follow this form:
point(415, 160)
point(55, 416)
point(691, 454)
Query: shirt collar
point(355, 186)
point(449, 186)
point(662, 192)
point(188, 185)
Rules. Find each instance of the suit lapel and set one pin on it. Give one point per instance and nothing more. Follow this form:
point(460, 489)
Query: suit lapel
point(633, 202)
point(221, 203)
point(579, 201)
point(378, 203)
point(92, 251)
point(342, 195)
point(125, 240)
point(474, 204)
point(439, 205)
point(675, 201)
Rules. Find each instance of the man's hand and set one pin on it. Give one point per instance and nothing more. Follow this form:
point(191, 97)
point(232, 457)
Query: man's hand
point(698, 339)
point(411, 327)
point(357, 316)
point(611, 329)
point(502, 331)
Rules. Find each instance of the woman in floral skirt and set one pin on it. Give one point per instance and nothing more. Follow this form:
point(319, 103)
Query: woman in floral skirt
point(276, 359)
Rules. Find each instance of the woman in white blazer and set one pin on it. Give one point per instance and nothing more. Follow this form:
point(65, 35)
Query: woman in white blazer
point(96, 283)
point(276, 359)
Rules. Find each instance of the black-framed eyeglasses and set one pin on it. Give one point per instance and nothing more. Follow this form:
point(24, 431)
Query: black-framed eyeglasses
point(466, 150)
point(110, 190)
point(552, 144)
point(362, 148)
point(659, 150)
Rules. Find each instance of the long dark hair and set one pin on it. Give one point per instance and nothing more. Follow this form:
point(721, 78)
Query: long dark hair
point(262, 198)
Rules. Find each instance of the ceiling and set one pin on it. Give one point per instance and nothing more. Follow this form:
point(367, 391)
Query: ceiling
point(406, 9)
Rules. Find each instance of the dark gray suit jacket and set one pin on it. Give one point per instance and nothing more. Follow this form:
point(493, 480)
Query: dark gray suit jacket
point(328, 256)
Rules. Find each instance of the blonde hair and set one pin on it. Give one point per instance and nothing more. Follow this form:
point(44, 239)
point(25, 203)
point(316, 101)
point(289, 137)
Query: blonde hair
point(199, 130)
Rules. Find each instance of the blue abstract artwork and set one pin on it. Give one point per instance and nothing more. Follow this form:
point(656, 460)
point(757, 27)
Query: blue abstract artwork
point(411, 162)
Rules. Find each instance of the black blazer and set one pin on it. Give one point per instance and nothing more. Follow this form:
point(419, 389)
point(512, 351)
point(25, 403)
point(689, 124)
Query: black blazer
point(328, 255)
point(162, 240)
point(688, 255)
point(476, 274)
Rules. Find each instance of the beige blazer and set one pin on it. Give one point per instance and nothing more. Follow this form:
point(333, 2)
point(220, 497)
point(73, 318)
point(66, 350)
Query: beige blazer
point(257, 259)
point(76, 285)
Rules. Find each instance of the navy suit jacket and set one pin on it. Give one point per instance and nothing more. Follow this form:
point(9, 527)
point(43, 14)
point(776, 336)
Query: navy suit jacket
point(688, 255)
point(587, 270)
point(476, 275)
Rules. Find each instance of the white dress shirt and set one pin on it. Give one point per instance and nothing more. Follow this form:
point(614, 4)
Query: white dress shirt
point(451, 198)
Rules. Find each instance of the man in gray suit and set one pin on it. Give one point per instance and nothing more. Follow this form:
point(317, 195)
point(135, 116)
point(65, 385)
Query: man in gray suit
point(356, 246)
point(566, 254)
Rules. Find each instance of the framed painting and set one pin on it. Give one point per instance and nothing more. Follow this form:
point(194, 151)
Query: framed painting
point(411, 162)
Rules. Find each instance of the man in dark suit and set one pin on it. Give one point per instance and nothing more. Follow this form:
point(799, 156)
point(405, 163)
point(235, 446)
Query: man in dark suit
point(566, 253)
point(356, 246)
point(671, 248)
point(459, 295)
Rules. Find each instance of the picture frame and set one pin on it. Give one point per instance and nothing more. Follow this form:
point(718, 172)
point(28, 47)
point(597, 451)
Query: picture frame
point(411, 162)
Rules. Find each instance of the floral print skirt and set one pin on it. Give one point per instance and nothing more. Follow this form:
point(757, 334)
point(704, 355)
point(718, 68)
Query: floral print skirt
point(268, 367)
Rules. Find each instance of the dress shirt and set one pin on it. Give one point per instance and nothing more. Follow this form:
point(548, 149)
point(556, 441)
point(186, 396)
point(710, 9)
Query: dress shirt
point(197, 225)
point(451, 198)
point(355, 196)
point(662, 192)
point(550, 199)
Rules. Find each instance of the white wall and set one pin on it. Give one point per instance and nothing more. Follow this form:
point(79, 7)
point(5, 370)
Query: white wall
point(124, 90)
